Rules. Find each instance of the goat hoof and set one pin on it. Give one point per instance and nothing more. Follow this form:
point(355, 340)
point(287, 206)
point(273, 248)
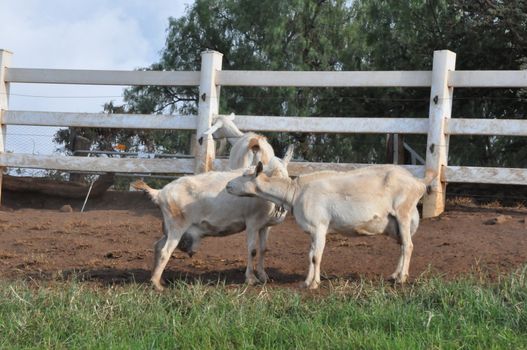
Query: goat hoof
point(393, 277)
point(397, 278)
point(314, 285)
point(251, 280)
point(262, 276)
point(401, 279)
point(158, 286)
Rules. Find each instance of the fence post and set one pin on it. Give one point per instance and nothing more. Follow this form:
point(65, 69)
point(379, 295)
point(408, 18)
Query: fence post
point(437, 144)
point(209, 94)
point(5, 61)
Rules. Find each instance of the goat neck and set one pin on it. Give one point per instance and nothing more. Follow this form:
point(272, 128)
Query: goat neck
point(232, 133)
point(233, 139)
point(279, 190)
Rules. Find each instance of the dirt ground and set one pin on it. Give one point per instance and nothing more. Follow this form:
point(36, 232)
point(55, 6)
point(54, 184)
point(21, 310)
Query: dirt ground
point(112, 242)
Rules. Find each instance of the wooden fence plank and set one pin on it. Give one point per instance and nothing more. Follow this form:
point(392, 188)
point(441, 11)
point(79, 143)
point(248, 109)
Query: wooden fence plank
point(102, 77)
point(457, 126)
point(267, 78)
point(333, 125)
point(254, 123)
point(483, 175)
point(101, 120)
point(119, 165)
point(459, 174)
point(488, 78)
point(451, 174)
point(298, 168)
point(509, 127)
point(325, 79)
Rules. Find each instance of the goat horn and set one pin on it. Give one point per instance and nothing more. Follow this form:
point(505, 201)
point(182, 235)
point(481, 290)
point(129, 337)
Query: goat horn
point(288, 154)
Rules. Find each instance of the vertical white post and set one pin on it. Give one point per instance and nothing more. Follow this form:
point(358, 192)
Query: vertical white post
point(209, 94)
point(5, 61)
point(437, 143)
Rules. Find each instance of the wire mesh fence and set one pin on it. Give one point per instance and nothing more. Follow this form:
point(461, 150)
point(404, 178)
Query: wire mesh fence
point(31, 139)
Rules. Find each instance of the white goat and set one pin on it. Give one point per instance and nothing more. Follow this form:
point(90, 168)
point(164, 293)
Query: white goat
point(368, 201)
point(197, 206)
point(247, 148)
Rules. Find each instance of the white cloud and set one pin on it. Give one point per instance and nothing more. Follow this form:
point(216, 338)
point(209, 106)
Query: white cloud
point(96, 34)
point(90, 37)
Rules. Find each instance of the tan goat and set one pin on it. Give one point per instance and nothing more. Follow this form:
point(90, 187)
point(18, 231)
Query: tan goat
point(247, 148)
point(197, 206)
point(368, 201)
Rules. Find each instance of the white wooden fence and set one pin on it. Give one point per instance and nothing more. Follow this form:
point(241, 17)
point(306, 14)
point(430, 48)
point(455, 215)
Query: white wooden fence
point(438, 125)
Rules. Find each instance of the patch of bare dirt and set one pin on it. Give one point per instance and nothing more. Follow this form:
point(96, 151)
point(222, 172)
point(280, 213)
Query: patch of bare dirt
point(112, 242)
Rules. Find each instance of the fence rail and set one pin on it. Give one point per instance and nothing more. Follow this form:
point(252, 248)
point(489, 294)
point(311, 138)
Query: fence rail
point(438, 125)
point(465, 79)
point(457, 126)
point(488, 79)
point(503, 127)
point(100, 120)
point(457, 174)
point(325, 79)
point(112, 164)
point(101, 77)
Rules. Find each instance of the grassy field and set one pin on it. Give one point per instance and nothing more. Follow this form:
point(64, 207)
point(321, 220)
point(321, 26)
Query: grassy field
point(430, 313)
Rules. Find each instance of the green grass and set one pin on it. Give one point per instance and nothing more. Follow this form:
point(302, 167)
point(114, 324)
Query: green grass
point(430, 313)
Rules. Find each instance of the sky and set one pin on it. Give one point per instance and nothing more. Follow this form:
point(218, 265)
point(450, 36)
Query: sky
point(77, 34)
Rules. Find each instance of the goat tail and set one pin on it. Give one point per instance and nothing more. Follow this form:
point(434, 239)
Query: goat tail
point(430, 175)
point(255, 153)
point(142, 186)
point(254, 144)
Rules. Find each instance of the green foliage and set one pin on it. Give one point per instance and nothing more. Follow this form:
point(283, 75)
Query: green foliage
point(431, 313)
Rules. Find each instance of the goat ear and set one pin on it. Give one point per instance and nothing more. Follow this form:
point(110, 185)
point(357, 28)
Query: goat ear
point(259, 168)
point(288, 154)
point(231, 116)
